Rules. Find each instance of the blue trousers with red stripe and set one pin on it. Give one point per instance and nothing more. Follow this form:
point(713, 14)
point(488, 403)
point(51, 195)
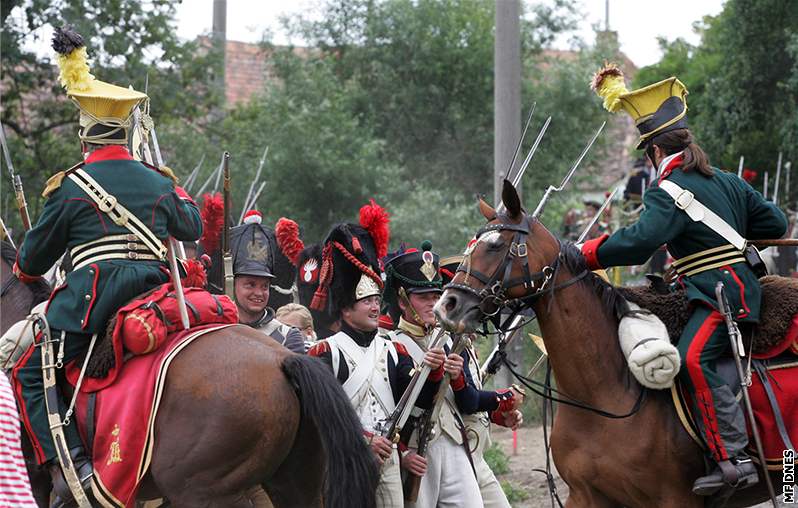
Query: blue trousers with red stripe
point(705, 339)
point(29, 389)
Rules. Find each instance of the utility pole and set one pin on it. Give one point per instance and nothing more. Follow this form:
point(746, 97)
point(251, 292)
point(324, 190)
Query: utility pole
point(507, 90)
point(219, 35)
point(506, 120)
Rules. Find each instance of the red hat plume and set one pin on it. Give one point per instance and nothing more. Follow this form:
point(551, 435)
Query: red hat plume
point(212, 214)
point(287, 233)
point(375, 220)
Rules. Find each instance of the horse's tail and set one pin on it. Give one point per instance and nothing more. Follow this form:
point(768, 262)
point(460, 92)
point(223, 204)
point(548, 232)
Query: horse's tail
point(351, 476)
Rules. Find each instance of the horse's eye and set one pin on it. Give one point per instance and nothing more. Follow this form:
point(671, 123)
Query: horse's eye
point(496, 246)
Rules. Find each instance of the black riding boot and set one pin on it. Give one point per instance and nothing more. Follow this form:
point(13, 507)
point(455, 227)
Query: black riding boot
point(737, 473)
point(84, 471)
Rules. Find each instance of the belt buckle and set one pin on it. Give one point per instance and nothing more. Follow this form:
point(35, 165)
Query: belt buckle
point(684, 199)
point(107, 203)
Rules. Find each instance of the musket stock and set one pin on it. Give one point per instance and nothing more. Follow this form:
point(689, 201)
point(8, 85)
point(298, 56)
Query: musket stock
point(16, 180)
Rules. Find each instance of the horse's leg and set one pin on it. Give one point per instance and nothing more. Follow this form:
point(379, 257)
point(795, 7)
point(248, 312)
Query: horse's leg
point(227, 420)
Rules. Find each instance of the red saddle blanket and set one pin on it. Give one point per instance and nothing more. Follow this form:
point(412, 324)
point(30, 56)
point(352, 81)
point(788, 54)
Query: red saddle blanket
point(125, 425)
point(784, 383)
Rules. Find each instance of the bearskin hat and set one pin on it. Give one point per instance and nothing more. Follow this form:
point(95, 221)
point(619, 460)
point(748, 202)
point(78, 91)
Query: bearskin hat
point(307, 282)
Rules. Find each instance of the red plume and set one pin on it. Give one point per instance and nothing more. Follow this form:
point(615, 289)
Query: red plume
point(212, 214)
point(287, 233)
point(195, 274)
point(375, 219)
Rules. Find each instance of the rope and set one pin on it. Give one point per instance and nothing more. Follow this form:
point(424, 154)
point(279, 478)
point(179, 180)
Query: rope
point(359, 264)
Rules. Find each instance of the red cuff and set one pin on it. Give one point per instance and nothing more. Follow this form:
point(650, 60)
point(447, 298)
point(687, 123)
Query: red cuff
point(183, 194)
point(436, 375)
point(498, 417)
point(590, 251)
point(506, 399)
point(402, 447)
point(24, 277)
point(459, 383)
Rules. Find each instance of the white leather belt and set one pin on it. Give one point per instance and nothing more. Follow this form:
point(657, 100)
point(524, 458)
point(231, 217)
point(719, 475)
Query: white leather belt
point(127, 247)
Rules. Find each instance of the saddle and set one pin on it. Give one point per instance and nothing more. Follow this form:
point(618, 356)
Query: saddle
point(776, 332)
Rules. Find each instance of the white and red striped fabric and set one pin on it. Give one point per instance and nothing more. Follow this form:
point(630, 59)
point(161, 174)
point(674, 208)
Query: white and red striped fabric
point(14, 483)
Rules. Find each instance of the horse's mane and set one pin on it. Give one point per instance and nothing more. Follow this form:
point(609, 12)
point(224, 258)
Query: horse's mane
point(612, 301)
point(40, 288)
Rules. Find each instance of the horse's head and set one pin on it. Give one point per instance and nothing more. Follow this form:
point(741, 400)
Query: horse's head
point(512, 259)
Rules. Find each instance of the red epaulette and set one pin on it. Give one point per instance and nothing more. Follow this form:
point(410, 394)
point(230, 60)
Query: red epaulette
point(400, 348)
point(319, 348)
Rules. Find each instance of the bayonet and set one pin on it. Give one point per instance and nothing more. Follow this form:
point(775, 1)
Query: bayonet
point(551, 189)
point(765, 186)
point(19, 191)
point(597, 217)
point(256, 196)
point(509, 172)
point(214, 173)
point(517, 178)
point(7, 234)
point(740, 167)
point(192, 177)
point(252, 185)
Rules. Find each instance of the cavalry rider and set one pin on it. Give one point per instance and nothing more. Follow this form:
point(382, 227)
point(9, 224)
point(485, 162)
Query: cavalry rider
point(686, 186)
point(413, 286)
point(115, 234)
point(253, 261)
point(374, 371)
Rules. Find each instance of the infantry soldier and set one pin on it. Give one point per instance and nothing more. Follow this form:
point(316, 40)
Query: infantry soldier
point(253, 261)
point(113, 214)
point(413, 286)
point(704, 216)
point(374, 371)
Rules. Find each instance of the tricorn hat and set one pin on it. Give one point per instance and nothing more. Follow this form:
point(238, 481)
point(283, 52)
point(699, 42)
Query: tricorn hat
point(656, 109)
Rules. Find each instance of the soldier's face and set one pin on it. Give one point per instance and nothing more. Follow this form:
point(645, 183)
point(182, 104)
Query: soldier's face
point(423, 303)
point(252, 293)
point(364, 315)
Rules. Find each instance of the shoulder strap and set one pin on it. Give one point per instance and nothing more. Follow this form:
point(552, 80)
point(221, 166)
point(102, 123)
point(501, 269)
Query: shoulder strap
point(108, 204)
point(685, 200)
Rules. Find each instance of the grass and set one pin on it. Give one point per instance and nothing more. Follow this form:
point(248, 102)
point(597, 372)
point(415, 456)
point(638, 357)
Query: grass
point(514, 494)
point(497, 460)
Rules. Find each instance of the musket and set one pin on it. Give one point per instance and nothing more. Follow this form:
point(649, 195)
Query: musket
point(19, 191)
point(227, 255)
point(740, 167)
point(426, 424)
point(252, 185)
point(776, 183)
point(738, 351)
point(565, 180)
point(597, 217)
point(781, 242)
point(392, 426)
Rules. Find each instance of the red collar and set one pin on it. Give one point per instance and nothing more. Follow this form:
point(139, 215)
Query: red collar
point(110, 152)
point(673, 164)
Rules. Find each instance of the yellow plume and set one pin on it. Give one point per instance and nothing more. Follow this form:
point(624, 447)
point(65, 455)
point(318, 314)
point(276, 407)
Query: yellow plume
point(608, 83)
point(74, 76)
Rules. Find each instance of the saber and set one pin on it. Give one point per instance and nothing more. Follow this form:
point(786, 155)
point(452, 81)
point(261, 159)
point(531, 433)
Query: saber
point(596, 217)
point(19, 191)
point(738, 351)
point(740, 167)
point(567, 178)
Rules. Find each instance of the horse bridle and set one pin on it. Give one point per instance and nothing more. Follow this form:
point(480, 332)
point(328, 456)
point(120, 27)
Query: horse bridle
point(494, 294)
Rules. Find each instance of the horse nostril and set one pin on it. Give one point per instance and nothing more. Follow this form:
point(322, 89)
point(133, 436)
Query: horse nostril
point(451, 303)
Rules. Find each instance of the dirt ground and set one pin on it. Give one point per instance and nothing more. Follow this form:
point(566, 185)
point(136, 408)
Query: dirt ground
point(530, 455)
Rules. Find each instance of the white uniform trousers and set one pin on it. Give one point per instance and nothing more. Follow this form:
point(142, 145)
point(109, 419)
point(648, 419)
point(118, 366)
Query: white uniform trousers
point(449, 482)
point(490, 488)
point(389, 490)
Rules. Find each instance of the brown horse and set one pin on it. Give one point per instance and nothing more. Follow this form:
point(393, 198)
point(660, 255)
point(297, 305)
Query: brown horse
point(239, 411)
point(643, 460)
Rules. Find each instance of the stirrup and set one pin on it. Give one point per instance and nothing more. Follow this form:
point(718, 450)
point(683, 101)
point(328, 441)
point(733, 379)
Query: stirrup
point(734, 474)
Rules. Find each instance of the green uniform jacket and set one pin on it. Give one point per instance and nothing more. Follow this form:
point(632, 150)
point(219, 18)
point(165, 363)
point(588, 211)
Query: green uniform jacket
point(92, 294)
point(661, 222)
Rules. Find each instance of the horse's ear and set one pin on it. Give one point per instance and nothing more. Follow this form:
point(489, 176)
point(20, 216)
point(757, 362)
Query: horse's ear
point(510, 199)
point(486, 209)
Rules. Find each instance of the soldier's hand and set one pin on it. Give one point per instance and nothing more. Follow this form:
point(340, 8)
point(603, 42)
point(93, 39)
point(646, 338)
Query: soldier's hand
point(381, 447)
point(453, 365)
point(511, 419)
point(434, 358)
point(415, 463)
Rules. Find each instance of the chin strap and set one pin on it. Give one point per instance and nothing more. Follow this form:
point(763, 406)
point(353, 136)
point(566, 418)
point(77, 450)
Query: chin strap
point(413, 313)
